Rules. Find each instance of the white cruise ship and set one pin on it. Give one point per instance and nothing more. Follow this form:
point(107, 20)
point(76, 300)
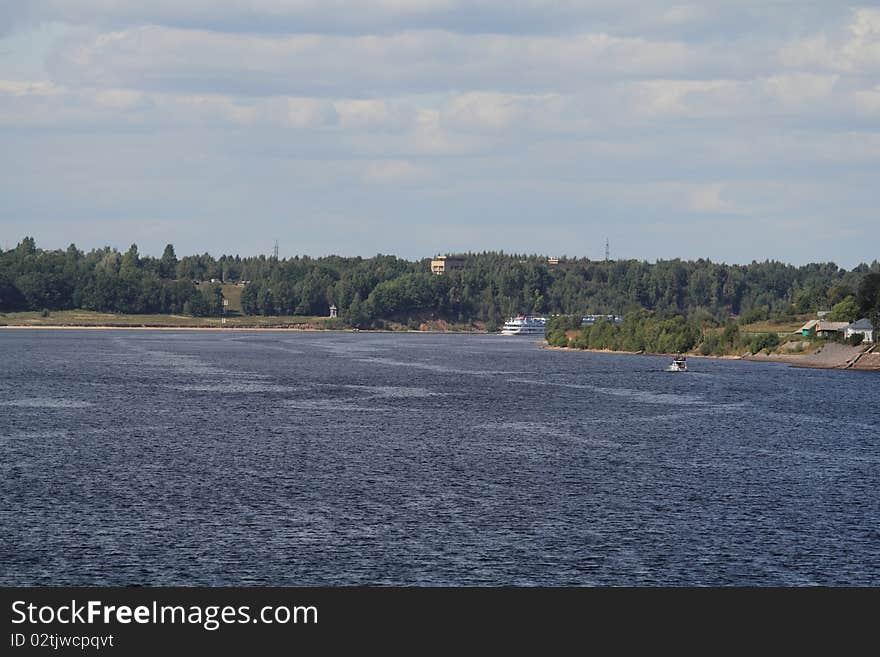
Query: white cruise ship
point(524, 325)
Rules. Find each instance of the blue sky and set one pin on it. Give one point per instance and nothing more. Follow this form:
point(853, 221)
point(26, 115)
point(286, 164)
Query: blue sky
point(735, 131)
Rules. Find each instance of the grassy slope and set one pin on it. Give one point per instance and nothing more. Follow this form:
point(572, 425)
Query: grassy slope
point(89, 318)
point(231, 292)
point(784, 329)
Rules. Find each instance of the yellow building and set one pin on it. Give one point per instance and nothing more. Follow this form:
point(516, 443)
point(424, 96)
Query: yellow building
point(442, 264)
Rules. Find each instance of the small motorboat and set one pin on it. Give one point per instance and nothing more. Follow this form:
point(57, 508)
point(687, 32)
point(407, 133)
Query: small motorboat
point(679, 364)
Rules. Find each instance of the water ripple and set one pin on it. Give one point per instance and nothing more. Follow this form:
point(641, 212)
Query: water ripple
point(170, 458)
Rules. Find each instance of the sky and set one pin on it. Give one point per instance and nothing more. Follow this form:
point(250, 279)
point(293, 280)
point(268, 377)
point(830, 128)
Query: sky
point(736, 131)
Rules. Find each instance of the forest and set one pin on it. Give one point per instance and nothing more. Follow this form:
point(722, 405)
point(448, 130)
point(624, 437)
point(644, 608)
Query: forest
point(490, 286)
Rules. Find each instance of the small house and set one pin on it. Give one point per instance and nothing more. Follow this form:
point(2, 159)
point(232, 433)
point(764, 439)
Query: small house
point(830, 329)
point(807, 329)
point(862, 326)
point(822, 329)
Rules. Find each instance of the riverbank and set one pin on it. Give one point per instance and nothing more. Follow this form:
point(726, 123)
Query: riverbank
point(302, 328)
point(92, 319)
point(59, 327)
point(832, 355)
point(829, 356)
point(87, 319)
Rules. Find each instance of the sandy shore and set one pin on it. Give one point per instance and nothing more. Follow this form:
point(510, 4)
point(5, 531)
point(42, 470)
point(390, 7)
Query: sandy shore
point(829, 356)
point(641, 353)
point(301, 329)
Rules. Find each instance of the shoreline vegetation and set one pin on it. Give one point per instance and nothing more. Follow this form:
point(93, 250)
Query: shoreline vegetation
point(778, 340)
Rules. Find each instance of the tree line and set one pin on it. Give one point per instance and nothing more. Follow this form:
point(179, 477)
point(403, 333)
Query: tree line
point(101, 280)
point(644, 331)
point(490, 287)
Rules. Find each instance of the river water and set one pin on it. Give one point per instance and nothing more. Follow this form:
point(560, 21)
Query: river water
point(275, 458)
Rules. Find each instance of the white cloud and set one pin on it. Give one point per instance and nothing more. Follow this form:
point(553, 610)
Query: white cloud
point(489, 111)
point(869, 100)
point(797, 88)
point(119, 99)
point(29, 88)
point(687, 97)
point(395, 172)
point(310, 113)
point(854, 50)
point(371, 114)
point(798, 94)
point(171, 59)
point(371, 16)
point(707, 198)
point(704, 20)
point(430, 137)
point(578, 114)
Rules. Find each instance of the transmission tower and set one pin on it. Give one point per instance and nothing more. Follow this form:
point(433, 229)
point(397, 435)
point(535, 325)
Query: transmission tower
point(275, 251)
point(607, 250)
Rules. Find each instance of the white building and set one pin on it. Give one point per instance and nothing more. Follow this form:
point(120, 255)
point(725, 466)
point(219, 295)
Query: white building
point(589, 320)
point(861, 326)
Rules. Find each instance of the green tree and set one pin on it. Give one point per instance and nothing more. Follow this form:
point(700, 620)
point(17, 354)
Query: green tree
point(763, 341)
point(868, 298)
point(131, 259)
point(26, 247)
point(168, 263)
point(197, 306)
point(557, 338)
point(357, 314)
point(214, 298)
point(845, 311)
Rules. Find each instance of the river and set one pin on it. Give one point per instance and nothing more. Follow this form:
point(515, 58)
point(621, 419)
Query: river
point(287, 458)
